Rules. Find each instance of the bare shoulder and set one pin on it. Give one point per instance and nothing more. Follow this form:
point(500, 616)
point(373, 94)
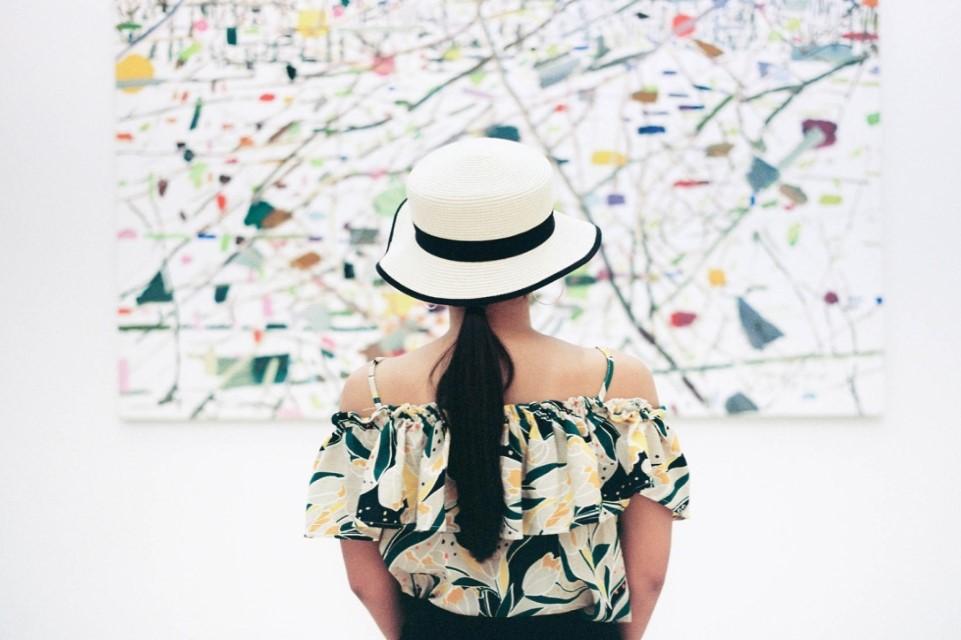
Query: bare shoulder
point(632, 378)
point(355, 395)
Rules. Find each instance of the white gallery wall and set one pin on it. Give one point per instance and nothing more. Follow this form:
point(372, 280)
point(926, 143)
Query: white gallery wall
point(802, 529)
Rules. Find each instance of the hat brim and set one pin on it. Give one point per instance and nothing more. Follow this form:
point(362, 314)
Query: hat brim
point(412, 270)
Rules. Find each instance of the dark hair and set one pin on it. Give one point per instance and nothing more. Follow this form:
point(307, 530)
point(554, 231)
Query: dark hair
point(470, 393)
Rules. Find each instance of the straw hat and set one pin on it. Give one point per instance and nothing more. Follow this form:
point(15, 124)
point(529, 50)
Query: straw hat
point(477, 226)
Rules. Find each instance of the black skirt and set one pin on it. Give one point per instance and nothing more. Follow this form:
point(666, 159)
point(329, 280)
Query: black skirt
point(425, 621)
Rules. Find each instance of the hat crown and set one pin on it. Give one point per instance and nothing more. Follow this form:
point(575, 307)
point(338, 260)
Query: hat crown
point(480, 189)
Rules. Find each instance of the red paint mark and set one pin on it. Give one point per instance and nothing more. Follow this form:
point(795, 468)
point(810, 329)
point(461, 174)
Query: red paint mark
point(267, 97)
point(245, 141)
point(860, 36)
point(231, 160)
point(126, 234)
point(686, 184)
point(227, 126)
point(560, 108)
point(828, 128)
point(258, 335)
point(222, 202)
point(383, 65)
point(830, 297)
point(124, 311)
point(162, 187)
point(683, 25)
point(124, 136)
point(682, 318)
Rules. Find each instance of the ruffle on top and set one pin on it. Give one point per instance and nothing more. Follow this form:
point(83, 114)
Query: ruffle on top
point(563, 464)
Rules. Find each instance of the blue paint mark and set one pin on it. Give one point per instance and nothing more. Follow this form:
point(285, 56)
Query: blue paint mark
point(669, 72)
point(762, 175)
point(703, 87)
point(739, 403)
point(615, 198)
point(204, 235)
point(677, 95)
point(759, 331)
point(650, 130)
point(691, 107)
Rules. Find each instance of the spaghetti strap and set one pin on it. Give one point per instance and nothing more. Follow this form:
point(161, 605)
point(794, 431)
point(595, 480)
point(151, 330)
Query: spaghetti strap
point(371, 383)
point(607, 374)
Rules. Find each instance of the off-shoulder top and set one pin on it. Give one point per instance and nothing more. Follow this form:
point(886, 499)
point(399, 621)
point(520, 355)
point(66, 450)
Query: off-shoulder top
point(569, 468)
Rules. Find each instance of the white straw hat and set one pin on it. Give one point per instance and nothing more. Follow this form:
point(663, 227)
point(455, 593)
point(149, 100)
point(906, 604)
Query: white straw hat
point(477, 226)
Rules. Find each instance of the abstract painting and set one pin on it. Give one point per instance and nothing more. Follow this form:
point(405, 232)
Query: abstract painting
point(729, 150)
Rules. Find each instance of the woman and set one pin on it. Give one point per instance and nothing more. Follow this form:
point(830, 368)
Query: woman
point(481, 485)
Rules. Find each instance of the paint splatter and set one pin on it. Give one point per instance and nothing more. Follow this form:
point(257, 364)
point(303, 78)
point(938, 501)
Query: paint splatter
point(759, 331)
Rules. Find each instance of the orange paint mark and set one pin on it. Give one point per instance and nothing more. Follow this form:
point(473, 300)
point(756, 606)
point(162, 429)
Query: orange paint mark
point(258, 335)
point(267, 97)
point(124, 311)
point(124, 136)
point(221, 202)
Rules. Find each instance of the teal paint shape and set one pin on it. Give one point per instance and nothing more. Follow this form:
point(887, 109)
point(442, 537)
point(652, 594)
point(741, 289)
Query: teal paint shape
point(739, 403)
point(156, 291)
point(257, 212)
point(231, 35)
point(504, 131)
point(220, 293)
point(198, 106)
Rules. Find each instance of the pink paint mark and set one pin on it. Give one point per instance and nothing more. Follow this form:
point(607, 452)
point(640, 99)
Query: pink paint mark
point(123, 375)
point(200, 25)
point(337, 10)
point(383, 65)
point(186, 259)
point(860, 36)
point(682, 318)
point(327, 342)
point(831, 297)
point(687, 184)
point(268, 306)
point(124, 311)
point(127, 234)
point(683, 25)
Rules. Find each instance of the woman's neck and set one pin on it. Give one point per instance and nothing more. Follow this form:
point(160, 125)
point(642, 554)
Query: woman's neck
point(507, 317)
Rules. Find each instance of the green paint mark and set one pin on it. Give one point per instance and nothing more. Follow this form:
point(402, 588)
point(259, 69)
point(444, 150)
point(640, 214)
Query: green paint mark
point(220, 292)
point(793, 233)
point(386, 202)
point(128, 26)
point(190, 51)
point(225, 242)
point(769, 204)
point(196, 118)
point(156, 291)
point(874, 118)
point(197, 171)
point(231, 35)
point(830, 199)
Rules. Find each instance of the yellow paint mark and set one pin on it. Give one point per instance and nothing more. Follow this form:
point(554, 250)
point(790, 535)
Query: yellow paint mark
point(606, 156)
point(717, 277)
point(312, 23)
point(134, 69)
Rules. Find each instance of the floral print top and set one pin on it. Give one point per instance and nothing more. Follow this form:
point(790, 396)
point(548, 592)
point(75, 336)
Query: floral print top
point(569, 467)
